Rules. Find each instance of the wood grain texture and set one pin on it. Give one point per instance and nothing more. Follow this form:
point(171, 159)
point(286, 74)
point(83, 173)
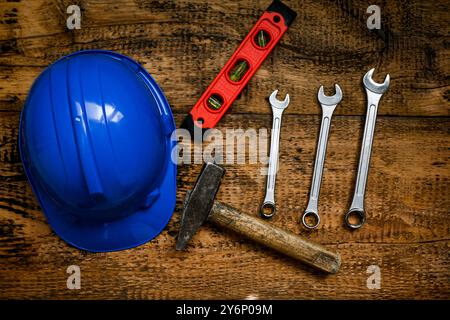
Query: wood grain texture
point(278, 239)
point(183, 44)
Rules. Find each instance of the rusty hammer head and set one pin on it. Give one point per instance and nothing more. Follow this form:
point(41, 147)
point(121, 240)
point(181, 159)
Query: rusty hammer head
point(199, 202)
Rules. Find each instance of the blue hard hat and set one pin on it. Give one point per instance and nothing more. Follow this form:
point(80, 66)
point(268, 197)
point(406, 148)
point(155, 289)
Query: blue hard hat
point(95, 141)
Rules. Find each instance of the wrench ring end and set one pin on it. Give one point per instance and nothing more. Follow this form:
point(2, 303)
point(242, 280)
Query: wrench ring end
point(360, 214)
point(315, 216)
point(267, 206)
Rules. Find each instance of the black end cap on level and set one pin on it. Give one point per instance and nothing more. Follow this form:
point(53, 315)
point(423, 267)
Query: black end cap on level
point(188, 124)
point(195, 131)
point(287, 13)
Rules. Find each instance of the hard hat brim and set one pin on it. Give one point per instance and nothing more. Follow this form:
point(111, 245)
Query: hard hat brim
point(128, 232)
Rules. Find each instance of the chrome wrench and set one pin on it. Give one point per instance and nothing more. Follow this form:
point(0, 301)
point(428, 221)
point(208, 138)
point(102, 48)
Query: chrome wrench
point(374, 93)
point(328, 104)
point(268, 207)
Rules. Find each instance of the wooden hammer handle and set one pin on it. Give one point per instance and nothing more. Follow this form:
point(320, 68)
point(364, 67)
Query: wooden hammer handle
point(278, 239)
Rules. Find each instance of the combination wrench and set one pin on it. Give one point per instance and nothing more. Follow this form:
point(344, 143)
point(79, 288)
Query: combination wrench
point(268, 207)
point(374, 93)
point(328, 104)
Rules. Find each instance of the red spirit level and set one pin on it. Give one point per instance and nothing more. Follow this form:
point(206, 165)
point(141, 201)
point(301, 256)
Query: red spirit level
point(236, 73)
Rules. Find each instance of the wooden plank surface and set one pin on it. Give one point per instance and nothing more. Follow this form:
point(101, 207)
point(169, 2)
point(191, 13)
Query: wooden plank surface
point(183, 44)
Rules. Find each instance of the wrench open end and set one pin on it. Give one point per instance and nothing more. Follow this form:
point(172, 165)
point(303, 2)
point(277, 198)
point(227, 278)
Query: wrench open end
point(330, 100)
point(277, 103)
point(373, 86)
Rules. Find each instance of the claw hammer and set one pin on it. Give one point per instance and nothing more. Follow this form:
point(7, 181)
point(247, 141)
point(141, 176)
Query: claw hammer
point(200, 206)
